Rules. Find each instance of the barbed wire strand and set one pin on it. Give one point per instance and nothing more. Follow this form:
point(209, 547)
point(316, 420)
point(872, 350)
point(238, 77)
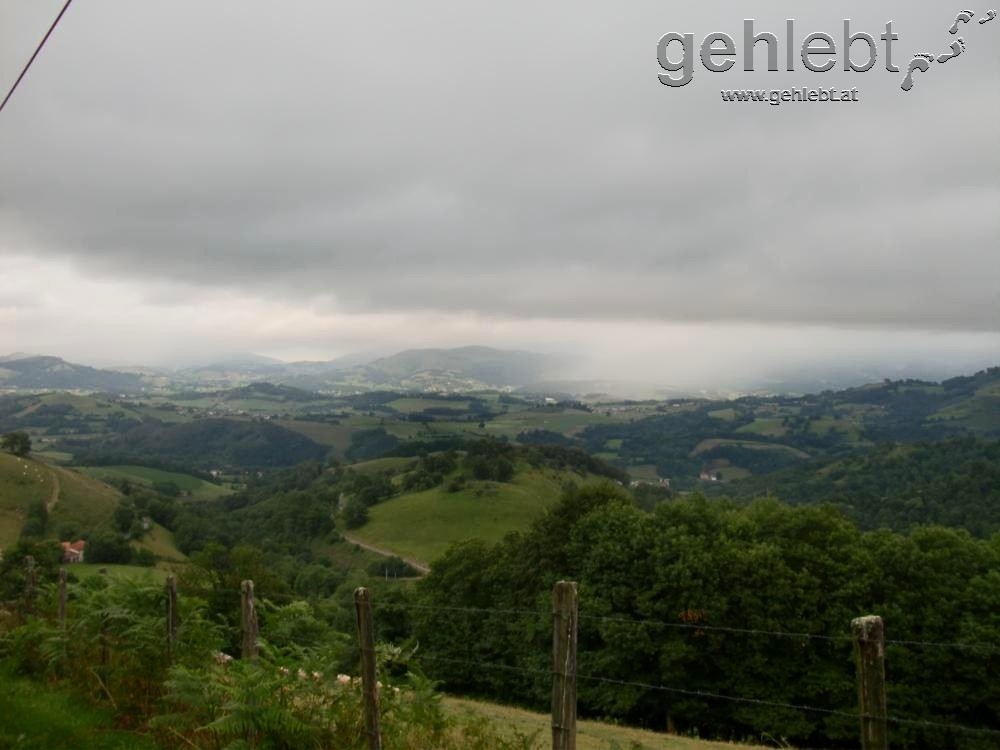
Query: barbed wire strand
point(475, 610)
point(787, 634)
point(694, 626)
point(936, 644)
point(718, 628)
point(719, 696)
point(797, 707)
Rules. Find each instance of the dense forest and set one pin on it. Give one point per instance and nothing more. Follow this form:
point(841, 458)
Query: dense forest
point(660, 592)
point(897, 486)
point(203, 444)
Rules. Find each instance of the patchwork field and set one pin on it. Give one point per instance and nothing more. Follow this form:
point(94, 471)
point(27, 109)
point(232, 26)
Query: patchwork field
point(727, 414)
point(338, 436)
point(709, 444)
point(646, 472)
point(381, 465)
point(981, 412)
point(414, 405)
point(766, 427)
point(199, 489)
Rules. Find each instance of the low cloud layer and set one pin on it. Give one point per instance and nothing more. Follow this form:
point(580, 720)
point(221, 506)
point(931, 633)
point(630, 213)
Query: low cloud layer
point(493, 166)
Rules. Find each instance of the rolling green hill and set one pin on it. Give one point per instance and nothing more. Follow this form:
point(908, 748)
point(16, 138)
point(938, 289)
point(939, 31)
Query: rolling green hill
point(160, 542)
point(196, 488)
point(207, 444)
point(84, 502)
point(53, 372)
point(23, 481)
point(421, 525)
point(72, 499)
point(949, 482)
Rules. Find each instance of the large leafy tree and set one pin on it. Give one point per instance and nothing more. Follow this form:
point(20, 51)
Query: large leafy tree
point(18, 443)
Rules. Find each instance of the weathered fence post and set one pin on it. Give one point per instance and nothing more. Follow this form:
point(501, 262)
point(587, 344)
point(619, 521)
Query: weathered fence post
point(30, 584)
point(172, 616)
point(564, 635)
point(249, 621)
point(369, 685)
point(869, 651)
point(62, 598)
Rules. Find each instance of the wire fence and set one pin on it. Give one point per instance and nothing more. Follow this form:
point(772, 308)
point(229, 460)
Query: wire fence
point(583, 617)
point(558, 618)
point(791, 634)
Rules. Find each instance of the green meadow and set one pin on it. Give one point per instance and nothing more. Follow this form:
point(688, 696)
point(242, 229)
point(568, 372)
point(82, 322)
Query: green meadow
point(199, 489)
point(422, 525)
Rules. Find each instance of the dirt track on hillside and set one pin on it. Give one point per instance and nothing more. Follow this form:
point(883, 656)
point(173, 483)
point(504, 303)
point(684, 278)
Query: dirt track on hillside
point(56, 489)
point(386, 553)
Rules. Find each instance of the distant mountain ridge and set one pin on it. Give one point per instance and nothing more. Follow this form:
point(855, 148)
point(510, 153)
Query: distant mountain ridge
point(47, 372)
point(461, 368)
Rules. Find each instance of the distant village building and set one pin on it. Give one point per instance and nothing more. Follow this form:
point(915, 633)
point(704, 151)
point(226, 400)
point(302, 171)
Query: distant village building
point(73, 551)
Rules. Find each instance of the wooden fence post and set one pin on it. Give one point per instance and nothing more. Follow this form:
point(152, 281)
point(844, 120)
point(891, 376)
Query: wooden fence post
point(249, 621)
point(62, 598)
point(172, 616)
point(564, 636)
point(369, 685)
point(869, 652)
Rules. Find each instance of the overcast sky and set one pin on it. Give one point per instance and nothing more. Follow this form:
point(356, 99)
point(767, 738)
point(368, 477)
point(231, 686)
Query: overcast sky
point(307, 179)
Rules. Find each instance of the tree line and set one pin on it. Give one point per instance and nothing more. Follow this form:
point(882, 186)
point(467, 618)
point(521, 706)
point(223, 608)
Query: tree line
point(655, 586)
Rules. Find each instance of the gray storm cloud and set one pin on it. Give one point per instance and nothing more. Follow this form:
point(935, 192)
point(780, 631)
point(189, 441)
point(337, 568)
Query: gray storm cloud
point(507, 161)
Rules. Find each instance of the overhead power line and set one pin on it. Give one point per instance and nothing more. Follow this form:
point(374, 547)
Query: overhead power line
point(37, 50)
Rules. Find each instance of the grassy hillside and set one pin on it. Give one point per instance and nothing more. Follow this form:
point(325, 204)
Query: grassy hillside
point(157, 574)
point(421, 525)
point(198, 489)
point(382, 465)
point(84, 502)
point(22, 482)
point(37, 716)
point(979, 412)
point(72, 499)
point(711, 444)
point(590, 735)
point(160, 542)
point(339, 437)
